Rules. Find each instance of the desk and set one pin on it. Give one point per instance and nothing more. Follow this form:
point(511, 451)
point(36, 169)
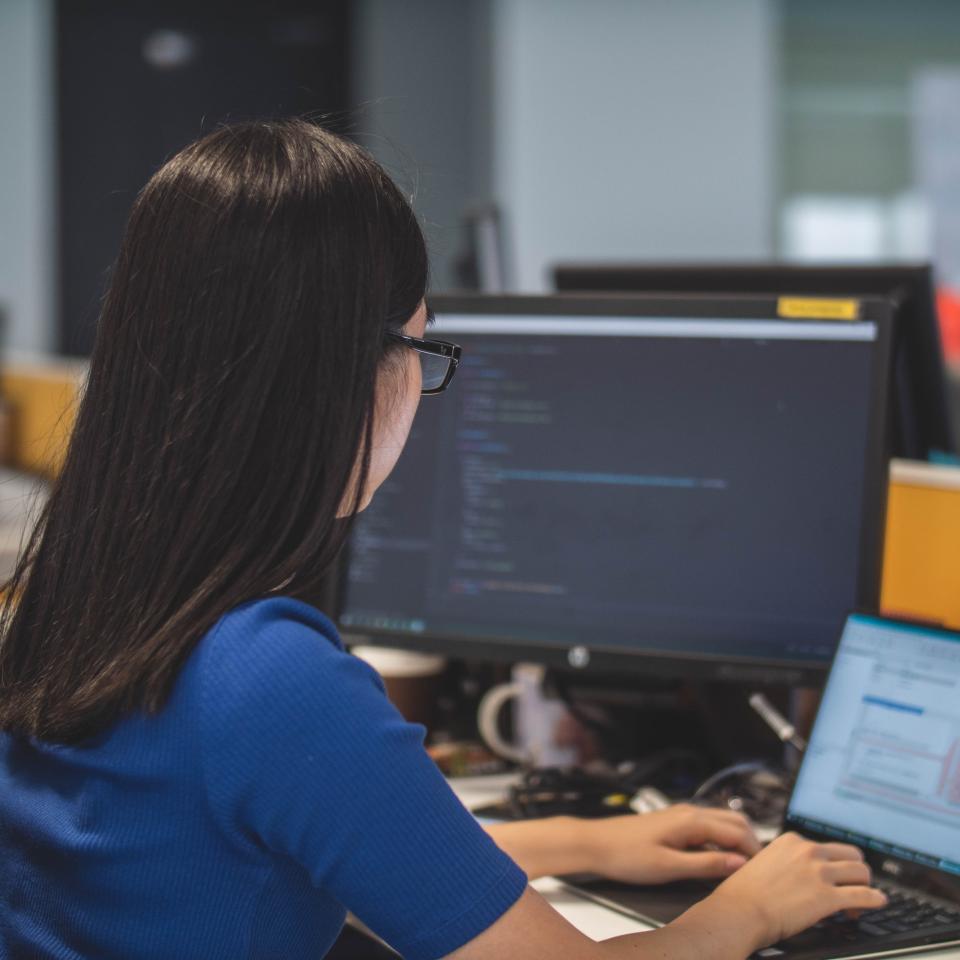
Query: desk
point(590, 918)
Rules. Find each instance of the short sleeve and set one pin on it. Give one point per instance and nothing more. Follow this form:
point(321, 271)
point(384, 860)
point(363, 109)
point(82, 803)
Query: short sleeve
point(304, 754)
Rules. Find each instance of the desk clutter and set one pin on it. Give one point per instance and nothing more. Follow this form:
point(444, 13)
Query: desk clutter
point(754, 789)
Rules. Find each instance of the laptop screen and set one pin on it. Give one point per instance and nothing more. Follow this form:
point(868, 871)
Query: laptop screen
point(883, 766)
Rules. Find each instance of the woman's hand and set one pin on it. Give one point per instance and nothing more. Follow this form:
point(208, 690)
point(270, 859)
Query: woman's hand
point(788, 887)
point(652, 848)
point(669, 845)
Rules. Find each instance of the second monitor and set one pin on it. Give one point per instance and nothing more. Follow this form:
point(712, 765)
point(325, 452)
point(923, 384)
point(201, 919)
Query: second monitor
point(921, 424)
point(634, 483)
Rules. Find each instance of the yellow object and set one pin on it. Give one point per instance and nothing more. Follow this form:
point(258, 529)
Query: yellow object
point(815, 308)
point(921, 566)
point(616, 800)
point(44, 395)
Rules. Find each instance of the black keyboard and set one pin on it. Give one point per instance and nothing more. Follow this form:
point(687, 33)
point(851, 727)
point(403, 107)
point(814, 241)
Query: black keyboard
point(908, 915)
point(904, 912)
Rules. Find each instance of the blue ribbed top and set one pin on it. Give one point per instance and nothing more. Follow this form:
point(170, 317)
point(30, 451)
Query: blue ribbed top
point(276, 790)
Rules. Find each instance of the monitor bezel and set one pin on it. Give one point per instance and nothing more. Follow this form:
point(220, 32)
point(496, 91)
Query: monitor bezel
point(698, 666)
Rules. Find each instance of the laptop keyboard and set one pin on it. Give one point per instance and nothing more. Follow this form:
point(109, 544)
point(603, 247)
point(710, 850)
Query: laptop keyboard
point(905, 913)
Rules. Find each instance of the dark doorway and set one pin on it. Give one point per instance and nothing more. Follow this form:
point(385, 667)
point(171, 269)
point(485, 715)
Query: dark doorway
point(139, 80)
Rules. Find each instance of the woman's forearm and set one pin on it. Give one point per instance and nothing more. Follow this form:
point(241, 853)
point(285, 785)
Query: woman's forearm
point(546, 847)
point(705, 932)
point(715, 929)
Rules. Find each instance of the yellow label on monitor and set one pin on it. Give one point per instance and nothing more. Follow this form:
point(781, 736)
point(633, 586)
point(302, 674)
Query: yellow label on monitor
point(815, 308)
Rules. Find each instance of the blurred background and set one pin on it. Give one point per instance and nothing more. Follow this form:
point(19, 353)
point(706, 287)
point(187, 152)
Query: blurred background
point(626, 130)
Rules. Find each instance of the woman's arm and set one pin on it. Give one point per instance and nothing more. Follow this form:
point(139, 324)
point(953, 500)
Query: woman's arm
point(546, 847)
point(653, 848)
point(533, 930)
point(786, 888)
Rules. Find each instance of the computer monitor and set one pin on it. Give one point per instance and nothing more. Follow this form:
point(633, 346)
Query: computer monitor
point(689, 486)
point(921, 423)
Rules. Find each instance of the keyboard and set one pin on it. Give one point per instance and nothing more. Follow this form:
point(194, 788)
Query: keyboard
point(909, 916)
point(903, 913)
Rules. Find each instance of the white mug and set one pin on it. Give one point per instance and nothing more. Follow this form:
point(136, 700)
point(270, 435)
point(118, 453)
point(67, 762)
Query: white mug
point(536, 719)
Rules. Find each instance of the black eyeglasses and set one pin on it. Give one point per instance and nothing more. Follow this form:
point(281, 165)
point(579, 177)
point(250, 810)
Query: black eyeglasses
point(438, 361)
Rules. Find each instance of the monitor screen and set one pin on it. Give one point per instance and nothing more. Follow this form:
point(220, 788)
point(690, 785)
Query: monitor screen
point(921, 422)
point(883, 766)
point(701, 487)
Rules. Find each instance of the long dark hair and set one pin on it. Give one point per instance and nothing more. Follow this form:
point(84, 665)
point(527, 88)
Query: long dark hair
point(230, 395)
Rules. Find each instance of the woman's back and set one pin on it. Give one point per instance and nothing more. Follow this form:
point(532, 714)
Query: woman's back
point(227, 825)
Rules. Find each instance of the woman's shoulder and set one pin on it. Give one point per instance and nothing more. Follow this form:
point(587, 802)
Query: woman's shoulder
point(272, 654)
point(272, 698)
point(277, 616)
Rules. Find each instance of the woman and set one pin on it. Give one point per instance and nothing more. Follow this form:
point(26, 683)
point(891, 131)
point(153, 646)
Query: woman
point(191, 765)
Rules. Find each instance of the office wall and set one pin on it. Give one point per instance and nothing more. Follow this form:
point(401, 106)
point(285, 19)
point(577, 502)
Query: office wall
point(27, 170)
point(605, 128)
point(422, 98)
point(633, 130)
point(846, 100)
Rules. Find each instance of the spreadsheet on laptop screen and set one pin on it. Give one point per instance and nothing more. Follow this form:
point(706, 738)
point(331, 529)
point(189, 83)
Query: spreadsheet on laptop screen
point(883, 765)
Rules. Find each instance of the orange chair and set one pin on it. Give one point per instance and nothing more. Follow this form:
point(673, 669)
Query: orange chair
point(43, 395)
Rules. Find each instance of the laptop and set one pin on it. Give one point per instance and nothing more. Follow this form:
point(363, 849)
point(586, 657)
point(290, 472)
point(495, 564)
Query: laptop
point(882, 771)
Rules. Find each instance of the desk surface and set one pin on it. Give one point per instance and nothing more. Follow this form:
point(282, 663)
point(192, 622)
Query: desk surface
point(590, 918)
